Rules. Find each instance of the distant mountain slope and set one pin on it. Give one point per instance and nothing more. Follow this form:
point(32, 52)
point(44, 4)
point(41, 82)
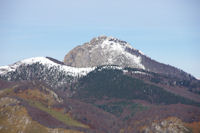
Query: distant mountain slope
point(115, 83)
point(112, 51)
point(48, 70)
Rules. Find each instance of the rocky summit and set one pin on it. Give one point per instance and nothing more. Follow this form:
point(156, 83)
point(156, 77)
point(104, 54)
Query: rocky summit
point(105, 50)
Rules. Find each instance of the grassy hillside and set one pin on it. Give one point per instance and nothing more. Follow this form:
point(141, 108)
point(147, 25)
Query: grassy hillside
point(14, 118)
point(17, 114)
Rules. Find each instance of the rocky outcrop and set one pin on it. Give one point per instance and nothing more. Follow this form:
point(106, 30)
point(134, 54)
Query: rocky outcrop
point(169, 125)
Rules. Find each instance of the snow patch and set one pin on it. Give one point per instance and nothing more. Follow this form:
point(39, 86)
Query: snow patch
point(110, 67)
point(139, 72)
point(116, 49)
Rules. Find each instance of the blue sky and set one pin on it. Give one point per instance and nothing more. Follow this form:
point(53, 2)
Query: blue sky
point(165, 30)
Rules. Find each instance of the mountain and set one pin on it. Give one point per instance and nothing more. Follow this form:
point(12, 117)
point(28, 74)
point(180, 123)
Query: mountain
point(105, 50)
point(59, 76)
point(46, 69)
point(113, 93)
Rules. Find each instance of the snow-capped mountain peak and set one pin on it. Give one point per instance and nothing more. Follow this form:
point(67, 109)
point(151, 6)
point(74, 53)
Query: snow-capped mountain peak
point(72, 71)
point(110, 41)
point(117, 48)
point(43, 69)
point(104, 50)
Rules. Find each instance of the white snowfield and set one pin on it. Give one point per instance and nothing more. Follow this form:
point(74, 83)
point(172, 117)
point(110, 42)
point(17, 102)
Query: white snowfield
point(113, 50)
point(72, 71)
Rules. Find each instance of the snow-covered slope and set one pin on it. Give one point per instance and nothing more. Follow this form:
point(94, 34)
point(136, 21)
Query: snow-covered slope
point(116, 50)
point(43, 69)
point(71, 71)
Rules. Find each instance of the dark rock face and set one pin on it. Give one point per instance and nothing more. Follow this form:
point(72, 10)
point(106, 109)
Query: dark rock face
point(154, 66)
point(111, 51)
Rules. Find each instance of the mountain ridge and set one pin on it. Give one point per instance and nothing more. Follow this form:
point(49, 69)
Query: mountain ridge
point(105, 50)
